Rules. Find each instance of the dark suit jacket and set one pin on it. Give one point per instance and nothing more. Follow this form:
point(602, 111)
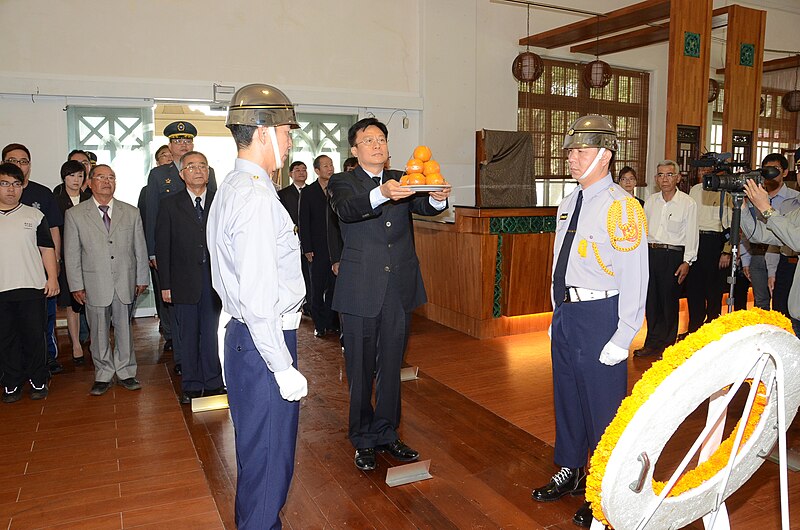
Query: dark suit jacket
point(181, 251)
point(378, 245)
point(163, 181)
point(313, 225)
point(290, 198)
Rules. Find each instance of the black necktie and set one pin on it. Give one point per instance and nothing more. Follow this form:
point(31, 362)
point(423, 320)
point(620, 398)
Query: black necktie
point(198, 208)
point(377, 180)
point(560, 274)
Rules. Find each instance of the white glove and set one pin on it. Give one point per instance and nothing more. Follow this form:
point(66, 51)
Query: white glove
point(613, 354)
point(292, 384)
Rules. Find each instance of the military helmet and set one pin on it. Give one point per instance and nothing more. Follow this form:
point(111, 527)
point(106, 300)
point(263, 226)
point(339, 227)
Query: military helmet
point(591, 131)
point(260, 104)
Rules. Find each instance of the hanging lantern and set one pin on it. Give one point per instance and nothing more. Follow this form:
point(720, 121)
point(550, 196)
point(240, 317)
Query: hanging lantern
point(713, 90)
point(791, 101)
point(596, 74)
point(527, 67)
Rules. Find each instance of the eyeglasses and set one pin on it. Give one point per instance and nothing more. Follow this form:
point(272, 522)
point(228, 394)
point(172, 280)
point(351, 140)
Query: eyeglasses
point(668, 175)
point(197, 168)
point(17, 161)
point(370, 140)
point(110, 178)
point(185, 141)
point(627, 179)
point(164, 155)
point(10, 184)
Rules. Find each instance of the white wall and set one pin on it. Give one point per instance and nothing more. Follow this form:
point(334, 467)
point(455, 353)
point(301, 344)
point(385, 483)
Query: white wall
point(446, 62)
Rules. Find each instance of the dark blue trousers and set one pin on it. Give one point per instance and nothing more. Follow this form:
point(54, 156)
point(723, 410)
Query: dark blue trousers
point(196, 329)
point(266, 430)
point(586, 392)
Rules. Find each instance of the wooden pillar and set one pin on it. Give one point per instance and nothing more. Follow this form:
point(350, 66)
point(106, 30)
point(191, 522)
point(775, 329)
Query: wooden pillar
point(687, 84)
point(744, 59)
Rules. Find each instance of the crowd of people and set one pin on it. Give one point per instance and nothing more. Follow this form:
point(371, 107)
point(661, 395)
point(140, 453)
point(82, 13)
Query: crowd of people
point(341, 250)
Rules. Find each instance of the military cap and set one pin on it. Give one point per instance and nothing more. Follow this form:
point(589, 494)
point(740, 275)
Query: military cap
point(92, 158)
point(180, 129)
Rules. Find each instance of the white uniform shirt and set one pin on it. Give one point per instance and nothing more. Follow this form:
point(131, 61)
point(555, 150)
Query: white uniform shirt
point(673, 222)
point(255, 260)
point(600, 263)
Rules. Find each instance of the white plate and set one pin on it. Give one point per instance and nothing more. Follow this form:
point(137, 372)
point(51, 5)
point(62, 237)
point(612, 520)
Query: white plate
point(428, 187)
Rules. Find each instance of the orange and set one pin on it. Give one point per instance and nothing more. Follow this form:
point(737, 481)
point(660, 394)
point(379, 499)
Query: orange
point(434, 179)
point(431, 167)
point(414, 166)
point(404, 180)
point(415, 179)
point(422, 152)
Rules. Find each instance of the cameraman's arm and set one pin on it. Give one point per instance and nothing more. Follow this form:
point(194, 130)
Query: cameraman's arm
point(785, 229)
point(756, 232)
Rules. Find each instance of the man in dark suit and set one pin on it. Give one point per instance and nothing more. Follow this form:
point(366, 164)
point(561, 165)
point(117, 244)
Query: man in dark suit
point(379, 284)
point(163, 180)
point(290, 198)
point(314, 242)
point(185, 277)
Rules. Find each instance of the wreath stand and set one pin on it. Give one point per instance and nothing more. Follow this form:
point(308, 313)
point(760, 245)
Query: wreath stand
point(768, 350)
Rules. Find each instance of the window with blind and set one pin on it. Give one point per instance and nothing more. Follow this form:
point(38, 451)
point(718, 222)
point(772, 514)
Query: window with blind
point(549, 105)
point(777, 128)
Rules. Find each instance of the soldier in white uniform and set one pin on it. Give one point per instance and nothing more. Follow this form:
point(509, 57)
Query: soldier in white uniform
point(599, 289)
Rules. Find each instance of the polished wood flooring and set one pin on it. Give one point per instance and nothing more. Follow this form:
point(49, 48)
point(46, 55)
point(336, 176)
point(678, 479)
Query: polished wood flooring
point(481, 410)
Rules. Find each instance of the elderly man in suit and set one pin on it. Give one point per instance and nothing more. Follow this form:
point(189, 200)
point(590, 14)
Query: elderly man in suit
point(378, 285)
point(106, 262)
point(313, 227)
point(165, 179)
point(185, 278)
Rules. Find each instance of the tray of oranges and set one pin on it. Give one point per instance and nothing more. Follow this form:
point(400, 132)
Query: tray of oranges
point(423, 172)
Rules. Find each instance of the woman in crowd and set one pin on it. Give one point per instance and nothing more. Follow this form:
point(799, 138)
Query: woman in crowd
point(73, 177)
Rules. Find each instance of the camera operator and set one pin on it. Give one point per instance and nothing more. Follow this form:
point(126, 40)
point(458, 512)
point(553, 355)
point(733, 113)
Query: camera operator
point(706, 279)
point(762, 261)
point(774, 227)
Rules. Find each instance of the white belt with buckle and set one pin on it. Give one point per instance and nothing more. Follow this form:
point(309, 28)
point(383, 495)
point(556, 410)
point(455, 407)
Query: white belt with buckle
point(579, 294)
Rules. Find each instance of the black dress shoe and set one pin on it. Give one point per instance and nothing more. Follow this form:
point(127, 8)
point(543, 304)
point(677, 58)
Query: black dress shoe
point(187, 396)
point(647, 351)
point(130, 383)
point(682, 336)
point(399, 451)
point(215, 391)
point(583, 517)
point(177, 369)
point(365, 459)
point(567, 481)
point(319, 334)
point(168, 345)
point(99, 388)
point(79, 361)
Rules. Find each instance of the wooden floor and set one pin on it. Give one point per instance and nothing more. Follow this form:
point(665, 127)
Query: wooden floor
point(481, 411)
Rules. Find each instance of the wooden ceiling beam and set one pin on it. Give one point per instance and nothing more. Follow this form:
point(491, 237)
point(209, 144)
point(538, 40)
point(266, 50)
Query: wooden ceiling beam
point(641, 37)
point(785, 63)
point(639, 14)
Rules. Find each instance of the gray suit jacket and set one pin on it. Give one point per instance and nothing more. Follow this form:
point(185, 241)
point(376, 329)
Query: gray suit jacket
point(102, 263)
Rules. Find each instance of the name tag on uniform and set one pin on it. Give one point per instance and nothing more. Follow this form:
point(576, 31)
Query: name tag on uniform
point(563, 217)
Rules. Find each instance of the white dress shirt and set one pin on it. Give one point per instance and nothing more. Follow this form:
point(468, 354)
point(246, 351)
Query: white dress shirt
point(110, 208)
point(673, 222)
point(255, 260)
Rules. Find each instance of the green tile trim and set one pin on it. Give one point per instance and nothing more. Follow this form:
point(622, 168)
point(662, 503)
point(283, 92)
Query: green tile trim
point(513, 225)
point(691, 44)
point(747, 54)
point(497, 309)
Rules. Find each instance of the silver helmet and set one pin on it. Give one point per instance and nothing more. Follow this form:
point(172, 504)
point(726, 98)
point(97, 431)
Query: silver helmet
point(591, 131)
point(260, 104)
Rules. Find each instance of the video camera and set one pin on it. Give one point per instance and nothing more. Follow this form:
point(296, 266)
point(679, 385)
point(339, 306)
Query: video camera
point(722, 178)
